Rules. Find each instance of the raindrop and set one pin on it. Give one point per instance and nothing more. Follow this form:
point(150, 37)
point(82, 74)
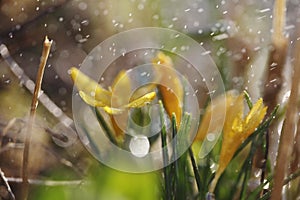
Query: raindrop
point(82, 6)
point(37, 8)
point(200, 10)
point(85, 22)
point(205, 53)
point(62, 91)
point(143, 73)
point(171, 26)
point(211, 137)
point(18, 26)
point(155, 17)
point(196, 24)
point(139, 146)
point(60, 19)
point(174, 19)
point(141, 6)
point(264, 10)
point(221, 36)
point(105, 12)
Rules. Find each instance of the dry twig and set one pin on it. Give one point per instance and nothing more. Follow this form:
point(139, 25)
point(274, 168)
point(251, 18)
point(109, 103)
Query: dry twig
point(277, 57)
point(34, 103)
point(5, 191)
point(288, 130)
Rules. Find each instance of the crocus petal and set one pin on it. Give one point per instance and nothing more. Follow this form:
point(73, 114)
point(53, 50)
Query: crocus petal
point(217, 105)
point(113, 111)
point(90, 87)
point(91, 100)
point(236, 130)
point(172, 98)
point(254, 118)
point(142, 101)
point(121, 89)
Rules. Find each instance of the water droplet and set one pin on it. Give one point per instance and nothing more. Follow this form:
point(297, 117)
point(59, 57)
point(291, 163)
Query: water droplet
point(141, 6)
point(85, 22)
point(200, 10)
point(211, 137)
point(139, 146)
point(155, 17)
point(257, 173)
point(196, 24)
point(82, 6)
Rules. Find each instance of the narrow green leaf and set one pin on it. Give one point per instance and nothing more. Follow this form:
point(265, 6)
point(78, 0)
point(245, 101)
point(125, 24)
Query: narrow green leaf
point(167, 177)
point(105, 126)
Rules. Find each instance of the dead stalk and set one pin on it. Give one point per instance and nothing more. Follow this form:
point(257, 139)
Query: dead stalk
point(34, 104)
point(288, 130)
point(274, 77)
point(277, 57)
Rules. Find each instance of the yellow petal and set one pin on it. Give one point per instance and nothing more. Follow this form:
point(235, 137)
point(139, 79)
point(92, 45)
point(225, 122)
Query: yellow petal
point(118, 131)
point(236, 130)
point(90, 87)
point(112, 111)
point(254, 118)
point(121, 89)
point(141, 91)
point(232, 132)
point(162, 59)
point(90, 100)
point(142, 101)
point(172, 98)
point(234, 117)
point(217, 105)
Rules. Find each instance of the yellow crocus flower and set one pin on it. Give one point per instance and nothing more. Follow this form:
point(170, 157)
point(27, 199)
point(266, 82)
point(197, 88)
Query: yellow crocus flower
point(236, 130)
point(217, 105)
point(93, 94)
point(172, 99)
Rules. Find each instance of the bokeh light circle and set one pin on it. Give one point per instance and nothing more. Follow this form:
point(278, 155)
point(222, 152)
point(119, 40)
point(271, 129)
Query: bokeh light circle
point(198, 67)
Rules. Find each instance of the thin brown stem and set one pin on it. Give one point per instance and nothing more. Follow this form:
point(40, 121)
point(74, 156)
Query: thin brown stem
point(274, 78)
point(279, 20)
point(296, 151)
point(288, 130)
point(277, 57)
point(8, 194)
point(34, 104)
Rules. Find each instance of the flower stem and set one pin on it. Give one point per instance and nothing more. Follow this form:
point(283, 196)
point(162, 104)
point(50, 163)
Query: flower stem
point(195, 169)
point(165, 153)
